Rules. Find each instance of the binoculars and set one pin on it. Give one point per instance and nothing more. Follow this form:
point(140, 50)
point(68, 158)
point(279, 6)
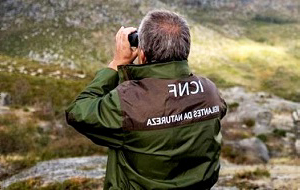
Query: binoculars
point(133, 39)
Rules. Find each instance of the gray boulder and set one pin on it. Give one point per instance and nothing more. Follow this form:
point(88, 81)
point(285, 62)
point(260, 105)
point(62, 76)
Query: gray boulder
point(5, 99)
point(255, 147)
point(268, 111)
point(262, 124)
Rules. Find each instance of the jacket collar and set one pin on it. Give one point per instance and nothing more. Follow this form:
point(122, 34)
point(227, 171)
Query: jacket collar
point(167, 70)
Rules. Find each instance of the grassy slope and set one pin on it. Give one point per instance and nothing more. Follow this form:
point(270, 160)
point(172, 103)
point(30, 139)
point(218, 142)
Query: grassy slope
point(264, 56)
point(256, 53)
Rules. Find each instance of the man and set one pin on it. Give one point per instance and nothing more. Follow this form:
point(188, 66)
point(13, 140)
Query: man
point(161, 123)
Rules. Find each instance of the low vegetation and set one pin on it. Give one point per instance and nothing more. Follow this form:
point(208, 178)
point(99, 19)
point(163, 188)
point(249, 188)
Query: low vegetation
point(262, 137)
point(246, 179)
point(232, 107)
point(71, 184)
point(253, 175)
point(238, 155)
point(279, 132)
point(23, 146)
point(43, 90)
point(249, 122)
point(232, 154)
point(235, 131)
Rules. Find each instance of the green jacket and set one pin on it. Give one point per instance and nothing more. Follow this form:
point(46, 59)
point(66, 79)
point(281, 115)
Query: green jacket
point(161, 124)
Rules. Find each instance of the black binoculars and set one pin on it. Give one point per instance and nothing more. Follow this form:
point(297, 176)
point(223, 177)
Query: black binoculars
point(133, 39)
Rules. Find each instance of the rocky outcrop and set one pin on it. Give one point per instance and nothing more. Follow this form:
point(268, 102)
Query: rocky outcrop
point(280, 9)
point(263, 115)
point(269, 112)
point(74, 13)
point(62, 169)
point(282, 176)
point(296, 118)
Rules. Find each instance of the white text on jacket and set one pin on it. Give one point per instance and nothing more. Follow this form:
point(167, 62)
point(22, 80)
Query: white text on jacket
point(186, 88)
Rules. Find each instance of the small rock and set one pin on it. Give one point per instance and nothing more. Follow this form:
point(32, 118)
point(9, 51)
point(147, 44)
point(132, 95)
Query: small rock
point(58, 125)
point(10, 68)
point(80, 75)
point(40, 71)
point(58, 72)
point(257, 148)
point(21, 69)
point(44, 126)
point(33, 74)
point(5, 99)
point(263, 121)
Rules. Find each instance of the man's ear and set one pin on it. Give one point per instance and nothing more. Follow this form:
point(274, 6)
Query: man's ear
point(142, 57)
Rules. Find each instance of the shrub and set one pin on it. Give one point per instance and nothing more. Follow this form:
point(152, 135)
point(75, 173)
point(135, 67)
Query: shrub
point(30, 184)
point(219, 81)
point(262, 137)
point(71, 184)
point(239, 155)
point(233, 106)
point(46, 114)
point(233, 154)
point(283, 83)
point(272, 19)
point(262, 39)
point(15, 140)
point(28, 90)
point(70, 146)
point(249, 122)
point(234, 131)
point(279, 132)
point(8, 119)
point(77, 183)
point(253, 175)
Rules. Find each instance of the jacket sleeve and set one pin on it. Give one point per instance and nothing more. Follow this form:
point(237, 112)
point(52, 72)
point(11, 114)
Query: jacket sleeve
point(96, 111)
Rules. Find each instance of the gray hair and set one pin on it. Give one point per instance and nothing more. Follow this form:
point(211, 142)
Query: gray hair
point(164, 36)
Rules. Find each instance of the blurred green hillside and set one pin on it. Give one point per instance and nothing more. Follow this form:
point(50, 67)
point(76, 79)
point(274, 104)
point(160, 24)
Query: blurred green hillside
point(231, 43)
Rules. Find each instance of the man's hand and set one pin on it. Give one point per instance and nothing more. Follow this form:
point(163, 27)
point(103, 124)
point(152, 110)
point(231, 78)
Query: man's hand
point(124, 54)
